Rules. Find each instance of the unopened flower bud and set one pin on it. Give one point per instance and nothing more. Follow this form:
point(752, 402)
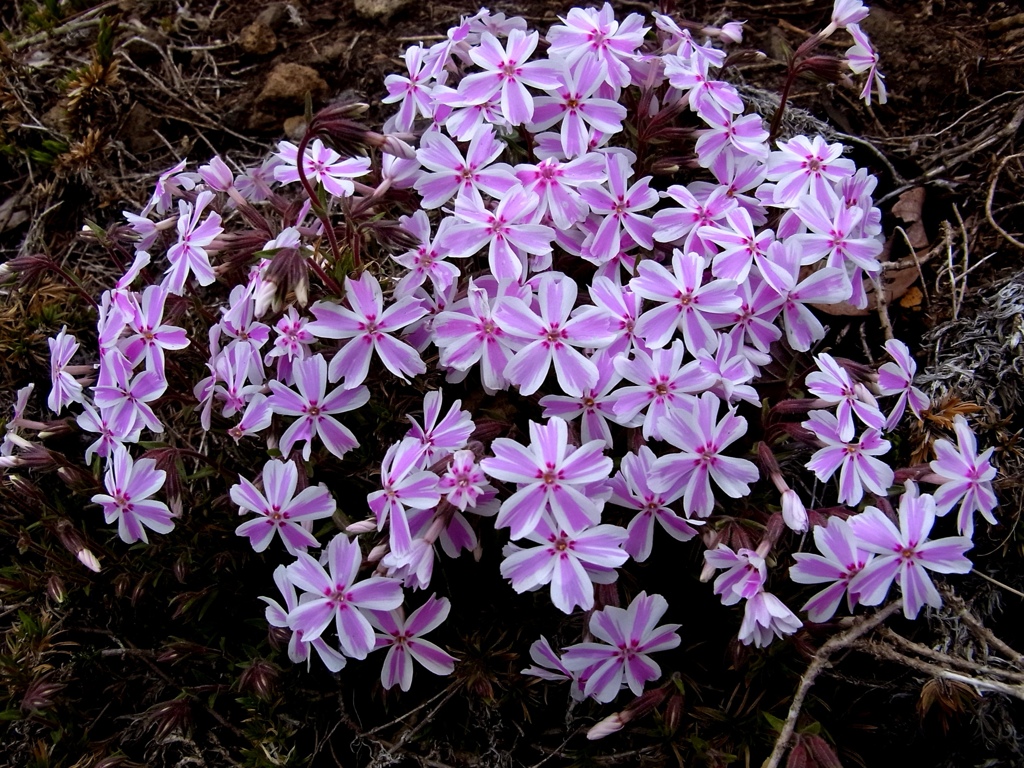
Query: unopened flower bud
point(377, 553)
point(259, 679)
point(39, 694)
point(393, 145)
point(264, 297)
point(828, 68)
point(278, 637)
point(793, 511)
point(606, 727)
point(89, 560)
point(55, 589)
point(673, 713)
point(362, 526)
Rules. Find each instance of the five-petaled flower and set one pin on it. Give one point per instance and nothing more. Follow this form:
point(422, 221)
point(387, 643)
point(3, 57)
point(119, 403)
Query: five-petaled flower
point(403, 637)
point(334, 593)
point(281, 509)
point(627, 638)
point(129, 486)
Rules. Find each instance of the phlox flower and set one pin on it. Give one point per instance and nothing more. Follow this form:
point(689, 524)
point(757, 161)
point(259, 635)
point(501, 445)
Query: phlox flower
point(65, 389)
point(690, 75)
point(622, 308)
point(631, 490)
point(322, 165)
point(845, 13)
point(217, 175)
point(803, 166)
point(835, 234)
point(257, 416)
point(964, 475)
point(551, 476)
point(753, 322)
point(169, 183)
point(862, 57)
point(575, 104)
point(842, 557)
point(451, 173)
point(189, 255)
point(507, 232)
point(281, 510)
point(463, 119)
point(506, 70)
point(620, 206)
point(662, 384)
point(368, 326)
point(905, 555)
point(100, 422)
point(551, 337)
point(334, 593)
point(463, 483)
point(496, 23)
point(412, 90)
point(684, 225)
point(314, 409)
point(403, 637)
point(744, 576)
point(626, 638)
point(562, 560)
point(780, 269)
point(124, 400)
point(404, 483)
point(469, 334)
point(441, 438)
point(555, 183)
point(726, 133)
point(832, 384)
point(232, 367)
point(729, 370)
point(765, 617)
point(298, 648)
point(701, 438)
point(547, 665)
point(426, 260)
point(684, 301)
point(129, 485)
point(255, 182)
point(739, 242)
point(595, 405)
point(897, 378)
point(587, 33)
point(291, 344)
point(736, 175)
point(150, 335)
point(856, 462)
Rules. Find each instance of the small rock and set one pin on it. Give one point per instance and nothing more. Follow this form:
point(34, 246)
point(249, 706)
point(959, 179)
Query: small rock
point(287, 85)
point(258, 38)
point(379, 10)
point(295, 128)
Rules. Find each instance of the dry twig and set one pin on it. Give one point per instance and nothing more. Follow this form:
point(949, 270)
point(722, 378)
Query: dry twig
point(819, 664)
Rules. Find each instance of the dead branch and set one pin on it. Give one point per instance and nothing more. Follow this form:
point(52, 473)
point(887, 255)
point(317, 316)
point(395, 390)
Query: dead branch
point(819, 664)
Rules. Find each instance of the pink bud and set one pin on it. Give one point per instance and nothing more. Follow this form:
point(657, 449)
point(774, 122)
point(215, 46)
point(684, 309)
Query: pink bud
point(363, 526)
point(606, 727)
point(793, 511)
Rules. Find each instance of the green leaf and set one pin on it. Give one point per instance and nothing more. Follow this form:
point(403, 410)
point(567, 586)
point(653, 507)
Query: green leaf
point(774, 722)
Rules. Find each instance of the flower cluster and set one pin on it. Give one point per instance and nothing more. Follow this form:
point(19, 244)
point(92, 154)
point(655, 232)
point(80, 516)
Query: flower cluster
point(542, 257)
